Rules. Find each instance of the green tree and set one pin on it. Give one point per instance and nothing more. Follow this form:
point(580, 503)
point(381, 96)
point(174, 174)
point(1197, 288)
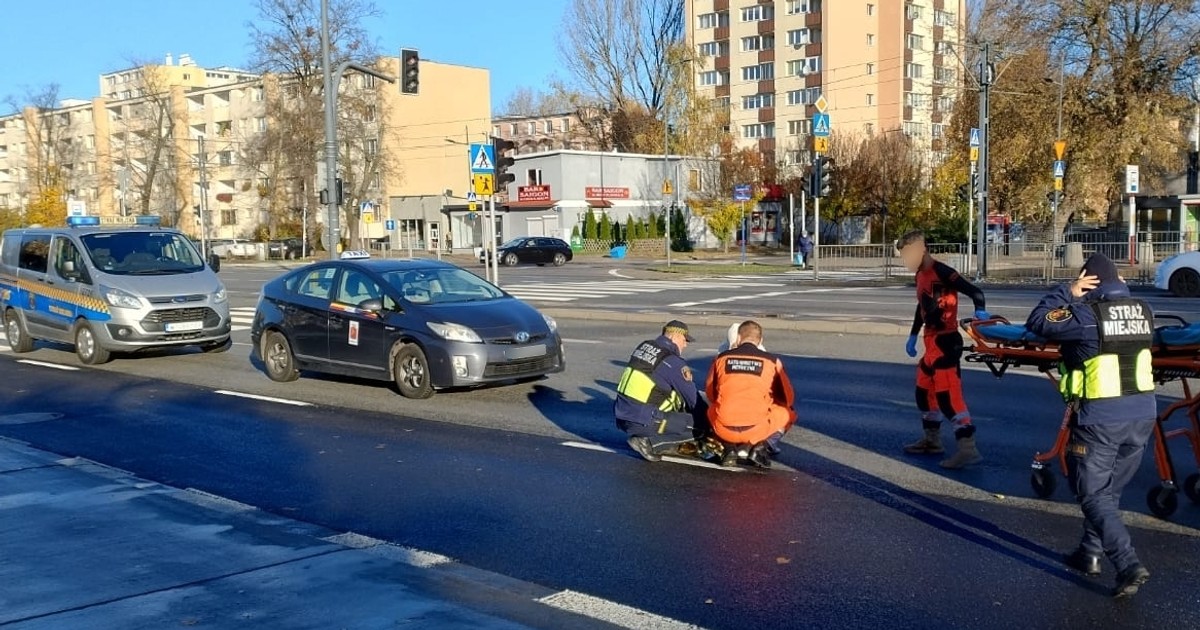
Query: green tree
point(679, 232)
point(575, 232)
point(604, 229)
point(648, 227)
point(590, 229)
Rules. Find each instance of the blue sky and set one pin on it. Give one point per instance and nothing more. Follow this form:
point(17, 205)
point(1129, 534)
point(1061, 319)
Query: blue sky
point(71, 42)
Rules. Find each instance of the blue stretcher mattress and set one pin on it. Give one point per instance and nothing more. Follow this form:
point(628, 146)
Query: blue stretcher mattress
point(1178, 335)
point(1010, 333)
point(1014, 333)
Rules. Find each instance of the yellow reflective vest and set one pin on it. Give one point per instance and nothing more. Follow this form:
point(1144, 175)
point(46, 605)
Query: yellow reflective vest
point(1124, 364)
point(638, 384)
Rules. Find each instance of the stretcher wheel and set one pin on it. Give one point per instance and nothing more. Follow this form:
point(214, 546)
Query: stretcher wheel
point(1043, 481)
point(1191, 487)
point(1163, 501)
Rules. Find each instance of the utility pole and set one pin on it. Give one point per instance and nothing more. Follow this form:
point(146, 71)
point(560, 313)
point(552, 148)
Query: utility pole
point(331, 201)
point(202, 158)
point(124, 191)
point(986, 77)
point(666, 175)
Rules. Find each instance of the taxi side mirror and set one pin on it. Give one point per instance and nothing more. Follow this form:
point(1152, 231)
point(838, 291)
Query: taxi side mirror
point(371, 306)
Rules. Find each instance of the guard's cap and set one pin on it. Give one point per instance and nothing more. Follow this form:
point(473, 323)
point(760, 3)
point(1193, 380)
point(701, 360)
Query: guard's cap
point(676, 326)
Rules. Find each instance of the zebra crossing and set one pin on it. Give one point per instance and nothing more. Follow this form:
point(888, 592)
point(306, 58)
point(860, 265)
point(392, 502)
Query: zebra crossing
point(594, 289)
point(241, 317)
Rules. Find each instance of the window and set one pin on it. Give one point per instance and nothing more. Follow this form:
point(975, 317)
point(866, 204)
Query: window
point(89, 142)
point(870, 68)
point(66, 252)
point(371, 146)
point(369, 114)
point(694, 180)
point(800, 37)
point(870, 99)
point(533, 177)
point(914, 99)
point(549, 126)
point(258, 94)
point(869, 128)
point(758, 101)
point(761, 72)
point(357, 287)
point(35, 250)
point(260, 123)
point(912, 12)
point(942, 48)
point(713, 77)
point(799, 127)
point(512, 129)
point(915, 42)
point(914, 129)
point(224, 127)
point(945, 103)
point(937, 130)
point(566, 125)
point(803, 97)
point(944, 75)
point(870, 39)
point(758, 42)
point(711, 49)
point(317, 283)
point(794, 157)
point(758, 13)
point(225, 158)
point(943, 18)
point(759, 130)
point(913, 71)
point(870, 9)
point(714, 20)
point(803, 6)
point(368, 80)
point(229, 217)
point(802, 67)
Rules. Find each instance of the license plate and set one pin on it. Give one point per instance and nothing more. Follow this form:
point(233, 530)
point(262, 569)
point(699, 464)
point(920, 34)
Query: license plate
point(528, 352)
point(184, 326)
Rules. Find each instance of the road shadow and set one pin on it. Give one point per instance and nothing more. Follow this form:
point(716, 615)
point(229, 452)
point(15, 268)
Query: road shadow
point(586, 414)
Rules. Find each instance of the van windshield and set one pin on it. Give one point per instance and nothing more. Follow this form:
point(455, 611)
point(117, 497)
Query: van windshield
point(136, 253)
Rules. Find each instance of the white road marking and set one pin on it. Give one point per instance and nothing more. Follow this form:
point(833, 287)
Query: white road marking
point(570, 291)
point(582, 341)
point(589, 447)
point(241, 317)
point(611, 612)
point(282, 401)
point(614, 272)
point(699, 463)
point(756, 296)
point(53, 366)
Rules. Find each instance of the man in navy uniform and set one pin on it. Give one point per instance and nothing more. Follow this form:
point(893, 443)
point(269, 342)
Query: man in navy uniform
point(1105, 338)
point(657, 403)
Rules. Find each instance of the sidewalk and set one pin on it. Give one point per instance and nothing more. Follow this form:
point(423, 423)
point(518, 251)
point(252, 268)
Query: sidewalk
point(87, 546)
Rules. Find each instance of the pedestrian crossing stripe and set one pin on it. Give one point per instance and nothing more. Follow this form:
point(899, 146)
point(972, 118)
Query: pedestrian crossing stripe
point(571, 291)
point(241, 317)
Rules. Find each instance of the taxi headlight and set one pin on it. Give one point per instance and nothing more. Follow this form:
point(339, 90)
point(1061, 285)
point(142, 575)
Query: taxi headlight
point(454, 332)
point(220, 296)
point(550, 322)
point(121, 298)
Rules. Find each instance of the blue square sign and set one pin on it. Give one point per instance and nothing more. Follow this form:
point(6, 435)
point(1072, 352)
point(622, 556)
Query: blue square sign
point(742, 192)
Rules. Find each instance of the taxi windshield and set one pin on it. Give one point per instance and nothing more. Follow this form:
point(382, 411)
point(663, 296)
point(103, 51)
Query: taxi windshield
point(140, 253)
point(441, 286)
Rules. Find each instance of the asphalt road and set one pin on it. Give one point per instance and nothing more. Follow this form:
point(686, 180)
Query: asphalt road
point(533, 481)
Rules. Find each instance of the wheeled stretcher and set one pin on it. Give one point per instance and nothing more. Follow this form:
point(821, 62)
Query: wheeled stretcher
point(1000, 345)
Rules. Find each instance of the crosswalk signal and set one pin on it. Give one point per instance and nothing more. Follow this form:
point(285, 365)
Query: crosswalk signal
point(500, 149)
point(974, 184)
point(824, 176)
point(410, 71)
point(1055, 197)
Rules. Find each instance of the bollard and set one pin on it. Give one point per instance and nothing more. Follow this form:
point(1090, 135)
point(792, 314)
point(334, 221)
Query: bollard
point(1073, 257)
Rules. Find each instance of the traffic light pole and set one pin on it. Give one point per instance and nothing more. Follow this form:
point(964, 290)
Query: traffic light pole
point(985, 87)
point(970, 221)
point(492, 231)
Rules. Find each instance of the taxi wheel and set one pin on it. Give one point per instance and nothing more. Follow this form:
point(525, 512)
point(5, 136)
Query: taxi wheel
point(278, 359)
point(87, 346)
point(560, 259)
point(411, 372)
point(18, 339)
point(511, 260)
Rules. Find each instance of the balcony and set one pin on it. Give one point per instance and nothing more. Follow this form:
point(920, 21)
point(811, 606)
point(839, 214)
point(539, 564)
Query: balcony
point(766, 114)
point(766, 55)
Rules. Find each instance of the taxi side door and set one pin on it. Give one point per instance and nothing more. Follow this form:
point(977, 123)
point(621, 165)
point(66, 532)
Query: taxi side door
point(358, 337)
point(306, 314)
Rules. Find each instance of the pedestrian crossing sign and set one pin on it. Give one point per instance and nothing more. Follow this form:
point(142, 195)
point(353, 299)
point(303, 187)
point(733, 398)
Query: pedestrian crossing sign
point(974, 137)
point(482, 159)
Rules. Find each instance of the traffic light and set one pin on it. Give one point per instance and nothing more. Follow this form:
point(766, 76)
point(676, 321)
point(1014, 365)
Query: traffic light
point(824, 178)
point(323, 196)
point(500, 147)
point(410, 71)
point(1055, 196)
point(974, 184)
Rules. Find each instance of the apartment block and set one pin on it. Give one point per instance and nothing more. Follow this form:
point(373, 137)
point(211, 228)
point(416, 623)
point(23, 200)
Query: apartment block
point(881, 65)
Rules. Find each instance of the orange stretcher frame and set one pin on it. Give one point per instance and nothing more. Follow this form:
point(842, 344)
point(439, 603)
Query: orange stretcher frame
point(1170, 363)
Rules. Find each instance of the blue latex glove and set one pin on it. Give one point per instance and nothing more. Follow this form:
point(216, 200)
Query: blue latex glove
point(911, 346)
point(982, 314)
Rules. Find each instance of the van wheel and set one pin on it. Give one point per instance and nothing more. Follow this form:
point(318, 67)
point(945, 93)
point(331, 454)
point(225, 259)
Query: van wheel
point(18, 339)
point(278, 359)
point(87, 345)
point(410, 369)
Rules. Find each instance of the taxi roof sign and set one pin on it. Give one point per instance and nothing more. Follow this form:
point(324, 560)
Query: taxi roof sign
point(355, 254)
point(84, 221)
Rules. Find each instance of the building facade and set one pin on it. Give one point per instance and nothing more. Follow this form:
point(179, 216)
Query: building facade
point(137, 146)
point(554, 190)
point(562, 131)
point(881, 65)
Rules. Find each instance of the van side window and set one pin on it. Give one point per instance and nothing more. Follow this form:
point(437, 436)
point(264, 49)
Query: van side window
point(35, 252)
point(8, 249)
point(68, 262)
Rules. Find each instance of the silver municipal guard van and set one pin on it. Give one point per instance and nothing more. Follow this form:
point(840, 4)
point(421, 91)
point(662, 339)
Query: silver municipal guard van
point(105, 289)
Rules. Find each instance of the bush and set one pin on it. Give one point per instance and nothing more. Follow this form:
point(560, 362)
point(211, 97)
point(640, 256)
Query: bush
point(590, 229)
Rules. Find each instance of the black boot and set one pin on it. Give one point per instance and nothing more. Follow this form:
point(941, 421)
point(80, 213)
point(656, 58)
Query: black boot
point(1130, 580)
point(1082, 561)
point(644, 448)
point(760, 456)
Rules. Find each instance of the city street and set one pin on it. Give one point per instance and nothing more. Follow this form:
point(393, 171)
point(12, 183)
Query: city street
point(534, 481)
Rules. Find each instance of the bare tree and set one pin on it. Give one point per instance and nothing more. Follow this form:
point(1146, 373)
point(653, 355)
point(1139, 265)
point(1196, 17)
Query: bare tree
point(618, 53)
point(143, 149)
point(286, 42)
